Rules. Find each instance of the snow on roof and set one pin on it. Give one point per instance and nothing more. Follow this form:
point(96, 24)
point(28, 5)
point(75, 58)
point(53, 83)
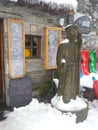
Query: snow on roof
point(51, 5)
point(68, 3)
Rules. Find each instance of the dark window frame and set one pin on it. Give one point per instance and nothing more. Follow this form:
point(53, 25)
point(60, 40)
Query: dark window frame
point(34, 46)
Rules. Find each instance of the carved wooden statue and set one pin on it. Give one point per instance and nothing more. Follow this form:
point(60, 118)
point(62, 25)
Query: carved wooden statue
point(68, 71)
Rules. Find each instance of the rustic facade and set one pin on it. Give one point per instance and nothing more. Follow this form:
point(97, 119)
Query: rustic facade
point(35, 21)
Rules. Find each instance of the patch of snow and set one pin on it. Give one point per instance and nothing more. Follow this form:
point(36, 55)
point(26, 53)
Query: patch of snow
point(63, 61)
point(73, 105)
point(69, 3)
point(65, 41)
point(14, 0)
point(87, 81)
point(68, 25)
point(43, 116)
point(56, 81)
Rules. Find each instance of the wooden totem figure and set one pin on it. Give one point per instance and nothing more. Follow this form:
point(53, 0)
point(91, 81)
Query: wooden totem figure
point(68, 57)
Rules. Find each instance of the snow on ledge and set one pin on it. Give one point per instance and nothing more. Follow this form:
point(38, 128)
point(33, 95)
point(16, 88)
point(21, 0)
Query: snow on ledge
point(14, 0)
point(56, 81)
point(73, 105)
point(65, 41)
point(63, 61)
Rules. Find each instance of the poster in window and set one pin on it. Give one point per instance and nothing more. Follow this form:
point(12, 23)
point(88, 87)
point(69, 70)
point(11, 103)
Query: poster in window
point(16, 48)
point(51, 41)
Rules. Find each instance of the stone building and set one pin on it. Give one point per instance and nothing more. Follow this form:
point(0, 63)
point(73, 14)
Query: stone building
point(90, 40)
point(34, 17)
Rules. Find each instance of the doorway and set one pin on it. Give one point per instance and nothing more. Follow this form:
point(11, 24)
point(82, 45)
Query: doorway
point(1, 62)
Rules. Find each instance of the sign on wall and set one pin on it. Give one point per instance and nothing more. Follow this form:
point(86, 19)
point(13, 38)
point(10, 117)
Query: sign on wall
point(16, 47)
point(51, 41)
point(83, 22)
point(20, 91)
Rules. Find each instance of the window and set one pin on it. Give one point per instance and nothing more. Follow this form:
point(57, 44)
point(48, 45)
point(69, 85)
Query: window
point(32, 46)
point(52, 39)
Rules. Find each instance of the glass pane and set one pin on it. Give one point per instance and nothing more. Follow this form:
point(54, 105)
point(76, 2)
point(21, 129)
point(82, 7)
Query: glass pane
point(28, 41)
point(34, 41)
point(34, 52)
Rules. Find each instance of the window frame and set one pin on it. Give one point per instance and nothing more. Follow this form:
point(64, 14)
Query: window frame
point(49, 53)
point(31, 47)
point(16, 59)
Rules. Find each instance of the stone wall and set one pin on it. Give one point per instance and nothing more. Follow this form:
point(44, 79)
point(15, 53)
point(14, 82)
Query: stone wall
point(90, 8)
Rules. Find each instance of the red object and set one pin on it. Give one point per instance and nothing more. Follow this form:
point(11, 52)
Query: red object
point(84, 62)
point(95, 86)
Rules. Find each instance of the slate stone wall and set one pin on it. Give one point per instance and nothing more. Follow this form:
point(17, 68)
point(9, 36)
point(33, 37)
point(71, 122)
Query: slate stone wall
point(90, 8)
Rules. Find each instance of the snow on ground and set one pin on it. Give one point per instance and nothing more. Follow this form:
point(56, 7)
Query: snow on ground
point(41, 116)
point(87, 81)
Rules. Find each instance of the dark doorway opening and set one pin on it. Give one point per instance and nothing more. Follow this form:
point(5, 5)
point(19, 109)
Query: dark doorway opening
point(1, 62)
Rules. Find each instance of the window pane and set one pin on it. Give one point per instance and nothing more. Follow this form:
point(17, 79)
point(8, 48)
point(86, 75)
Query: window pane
point(32, 46)
point(28, 41)
point(34, 52)
point(34, 41)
